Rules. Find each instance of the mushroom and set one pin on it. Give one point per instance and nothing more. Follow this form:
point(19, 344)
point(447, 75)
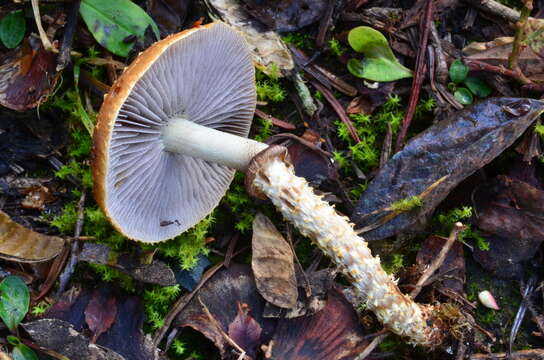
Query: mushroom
point(171, 132)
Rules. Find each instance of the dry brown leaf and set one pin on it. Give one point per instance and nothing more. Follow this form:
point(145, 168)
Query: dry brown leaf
point(24, 245)
point(272, 264)
point(27, 75)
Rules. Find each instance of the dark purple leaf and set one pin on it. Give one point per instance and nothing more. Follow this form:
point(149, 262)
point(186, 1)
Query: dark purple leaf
point(455, 147)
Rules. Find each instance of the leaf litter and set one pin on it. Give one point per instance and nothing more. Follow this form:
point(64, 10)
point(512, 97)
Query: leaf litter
point(279, 310)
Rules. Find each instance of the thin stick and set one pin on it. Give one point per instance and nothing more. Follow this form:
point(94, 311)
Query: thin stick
point(439, 260)
point(495, 8)
point(214, 321)
point(277, 122)
point(370, 348)
point(519, 39)
point(476, 65)
point(419, 75)
point(65, 276)
point(43, 36)
point(327, 94)
point(66, 46)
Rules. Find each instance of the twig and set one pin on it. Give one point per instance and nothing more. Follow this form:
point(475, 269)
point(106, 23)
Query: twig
point(325, 22)
point(64, 56)
point(373, 344)
point(216, 323)
point(495, 8)
point(65, 276)
point(519, 39)
point(419, 75)
point(308, 102)
point(533, 354)
point(43, 36)
point(439, 260)
point(527, 292)
point(339, 109)
point(277, 122)
point(476, 65)
point(181, 303)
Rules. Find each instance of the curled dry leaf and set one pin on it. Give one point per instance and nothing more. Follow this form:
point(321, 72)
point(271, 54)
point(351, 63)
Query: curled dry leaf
point(509, 215)
point(272, 264)
point(27, 75)
point(17, 243)
point(334, 333)
point(287, 15)
point(244, 330)
point(221, 295)
point(451, 150)
point(100, 313)
point(267, 47)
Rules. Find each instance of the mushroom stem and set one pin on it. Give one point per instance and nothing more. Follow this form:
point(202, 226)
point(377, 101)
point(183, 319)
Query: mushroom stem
point(334, 234)
point(188, 138)
point(274, 177)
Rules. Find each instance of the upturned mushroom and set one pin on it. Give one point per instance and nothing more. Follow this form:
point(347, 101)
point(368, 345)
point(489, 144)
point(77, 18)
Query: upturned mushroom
point(171, 132)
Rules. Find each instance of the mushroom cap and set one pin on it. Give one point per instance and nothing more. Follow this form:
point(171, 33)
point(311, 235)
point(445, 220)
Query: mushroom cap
point(204, 74)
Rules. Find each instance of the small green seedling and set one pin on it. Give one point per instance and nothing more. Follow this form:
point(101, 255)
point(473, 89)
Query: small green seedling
point(474, 86)
point(379, 63)
point(12, 29)
point(14, 303)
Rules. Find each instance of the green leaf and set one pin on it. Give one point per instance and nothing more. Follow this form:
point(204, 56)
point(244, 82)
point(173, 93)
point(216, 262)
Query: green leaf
point(478, 86)
point(379, 64)
point(14, 301)
point(458, 71)
point(114, 22)
point(12, 29)
point(464, 96)
point(23, 352)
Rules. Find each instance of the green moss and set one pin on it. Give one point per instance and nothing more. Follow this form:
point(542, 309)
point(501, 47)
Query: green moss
point(179, 347)
point(40, 308)
point(270, 90)
point(300, 40)
point(157, 302)
point(239, 202)
point(336, 48)
point(463, 214)
point(186, 247)
point(407, 204)
point(110, 274)
point(264, 128)
point(393, 263)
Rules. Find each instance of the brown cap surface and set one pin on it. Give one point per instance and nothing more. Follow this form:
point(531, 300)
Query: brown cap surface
point(205, 75)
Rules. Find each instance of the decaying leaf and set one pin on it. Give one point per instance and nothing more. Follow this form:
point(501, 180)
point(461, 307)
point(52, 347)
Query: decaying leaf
point(168, 14)
point(267, 47)
point(155, 273)
point(496, 52)
point(510, 217)
point(272, 264)
point(287, 15)
point(27, 75)
point(310, 161)
point(244, 330)
point(125, 336)
point(100, 313)
point(60, 336)
point(221, 295)
point(333, 333)
point(18, 243)
point(455, 147)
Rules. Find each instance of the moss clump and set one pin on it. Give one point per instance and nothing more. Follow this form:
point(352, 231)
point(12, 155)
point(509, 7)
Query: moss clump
point(110, 274)
point(393, 263)
point(407, 204)
point(448, 219)
point(157, 302)
point(300, 40)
